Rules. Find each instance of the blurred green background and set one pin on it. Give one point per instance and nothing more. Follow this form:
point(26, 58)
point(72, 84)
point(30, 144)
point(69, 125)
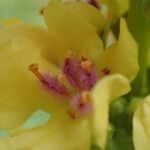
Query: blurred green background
point(28, 10)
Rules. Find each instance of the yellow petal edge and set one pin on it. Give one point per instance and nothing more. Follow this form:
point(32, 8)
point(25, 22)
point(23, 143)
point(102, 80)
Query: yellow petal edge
point(103, 93)
point(141, 125)
point(122, 56)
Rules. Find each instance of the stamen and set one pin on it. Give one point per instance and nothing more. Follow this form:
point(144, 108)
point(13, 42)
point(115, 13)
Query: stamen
point(106, 71)
point(82, 104)
point(86, 65)
point(34, 69)
point(69, 55)
point(85, 97)
point(54, 85)
point(84, 58)
point(61, 77)
point(49, 82)
point(82, 75)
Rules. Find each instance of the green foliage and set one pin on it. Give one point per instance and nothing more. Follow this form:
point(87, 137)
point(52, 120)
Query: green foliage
point(121, 140)
point(139, 24)
point(120, 137)
point(94, 147)
point(118, 107)
point(148, 79)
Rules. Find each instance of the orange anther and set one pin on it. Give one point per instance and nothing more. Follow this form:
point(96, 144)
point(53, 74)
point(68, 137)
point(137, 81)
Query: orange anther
point(86, 98)
point(61, 77)
point(86, 65)
point(84, 58)
point(34, 69)
point(68, 55)
point(72, 114)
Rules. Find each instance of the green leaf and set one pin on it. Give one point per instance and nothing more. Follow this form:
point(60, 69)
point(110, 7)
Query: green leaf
point(118, 108)
point(139, 24)
point(121, 140)
point(94, 147)
point(148, 78)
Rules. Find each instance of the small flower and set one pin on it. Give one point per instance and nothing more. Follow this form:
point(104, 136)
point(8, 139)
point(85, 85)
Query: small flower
point(93, 77)
point(141, 125)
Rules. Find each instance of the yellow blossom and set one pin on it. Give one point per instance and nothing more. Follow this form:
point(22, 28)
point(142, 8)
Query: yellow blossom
point(21, 93)
point(141, 125)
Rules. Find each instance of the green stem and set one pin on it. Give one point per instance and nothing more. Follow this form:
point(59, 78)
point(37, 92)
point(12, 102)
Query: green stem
point(148, 79)
point(139, 21)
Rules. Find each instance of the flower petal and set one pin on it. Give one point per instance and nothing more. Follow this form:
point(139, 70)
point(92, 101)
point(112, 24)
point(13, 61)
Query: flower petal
point(35, 33)
point(103, 93)
point(21, 93)
point(60, 133)
point(141, 125)
point(76, 28)
point(122, 56)
point(116, 8)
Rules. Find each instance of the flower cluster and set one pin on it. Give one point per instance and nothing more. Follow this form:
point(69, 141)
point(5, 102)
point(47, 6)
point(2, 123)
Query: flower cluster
point(73, 69)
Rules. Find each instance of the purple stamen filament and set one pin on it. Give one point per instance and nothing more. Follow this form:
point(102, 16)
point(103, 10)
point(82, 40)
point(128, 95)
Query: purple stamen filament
point(82, 103)
point(49, 82)
point(81, 75)
point(53, 84)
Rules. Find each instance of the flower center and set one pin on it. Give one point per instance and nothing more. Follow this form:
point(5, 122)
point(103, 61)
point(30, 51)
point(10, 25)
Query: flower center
point(81, 74)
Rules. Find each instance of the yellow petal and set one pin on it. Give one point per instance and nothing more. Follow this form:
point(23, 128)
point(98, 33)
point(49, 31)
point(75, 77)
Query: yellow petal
point(103, 93)
point(87, 13)
point(76, 29)
point(21, 93)
point(123, 6)
point(115, 8)
point(60, 133)
point(141, 125)
point(122, 56)
point(35, 33)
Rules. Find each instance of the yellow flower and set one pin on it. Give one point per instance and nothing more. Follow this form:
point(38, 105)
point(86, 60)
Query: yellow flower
point(74, 119)
point(141, 125)
point(121, 57)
